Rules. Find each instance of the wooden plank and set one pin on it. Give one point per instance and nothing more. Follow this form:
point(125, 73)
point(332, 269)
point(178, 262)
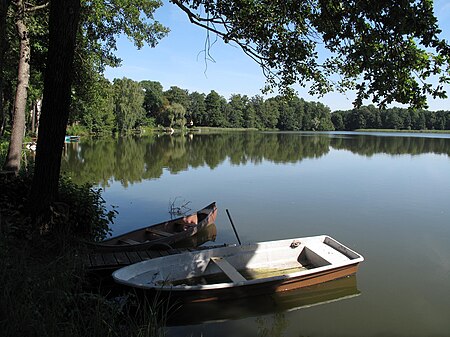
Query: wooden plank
point(173, 251)
point(86, 261)
point(109, 259)
point(134, 257)
point(129, 241)
point(122, 258)
point(153, 253)
point(158, 232)
point(163, 252)
point(96, 260)
point(228, 269)
point(143, 255)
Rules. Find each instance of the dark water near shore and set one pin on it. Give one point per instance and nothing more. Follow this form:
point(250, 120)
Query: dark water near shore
point(387, 196)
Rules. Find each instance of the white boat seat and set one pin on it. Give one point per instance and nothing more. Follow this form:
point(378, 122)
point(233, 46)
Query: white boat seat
point(158, 232)
point(228, 269)
point(326, 252)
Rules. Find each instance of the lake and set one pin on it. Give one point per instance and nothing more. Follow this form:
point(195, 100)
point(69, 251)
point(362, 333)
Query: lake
point(387, 196)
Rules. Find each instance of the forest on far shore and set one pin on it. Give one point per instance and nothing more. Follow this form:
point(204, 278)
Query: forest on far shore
point(126, 105)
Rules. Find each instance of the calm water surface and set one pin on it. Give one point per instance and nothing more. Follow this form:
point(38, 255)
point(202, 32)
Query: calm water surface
point(387, 196)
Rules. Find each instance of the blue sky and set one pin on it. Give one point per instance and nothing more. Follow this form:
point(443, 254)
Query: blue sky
point(178, 60)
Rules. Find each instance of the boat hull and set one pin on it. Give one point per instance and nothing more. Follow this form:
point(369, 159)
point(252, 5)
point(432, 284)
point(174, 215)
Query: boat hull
point(260, 288)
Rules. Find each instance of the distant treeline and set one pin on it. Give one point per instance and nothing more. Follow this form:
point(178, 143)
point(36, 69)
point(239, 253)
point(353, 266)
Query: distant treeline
point(126, 105)
point(370, 117)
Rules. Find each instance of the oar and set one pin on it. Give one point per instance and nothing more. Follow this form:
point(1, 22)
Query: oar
point(232, 224)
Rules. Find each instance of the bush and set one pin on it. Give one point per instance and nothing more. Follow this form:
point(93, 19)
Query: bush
point(45, 290)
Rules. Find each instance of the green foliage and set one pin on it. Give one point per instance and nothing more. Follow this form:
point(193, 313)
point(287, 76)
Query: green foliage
point(369, 117)
point(93, 103)
point(45, 289)
point(174, 116)
point(128, 104)
point(197, 109)
point(386, 50)
point(77, 130)
point(78, 211)
point(103, 21)
point(214, 104)
point(154, 99)
point(177, 95)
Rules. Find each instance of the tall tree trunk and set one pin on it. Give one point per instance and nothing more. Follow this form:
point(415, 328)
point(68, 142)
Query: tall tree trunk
point(4, 5)
point(12, 162)
point(63, 25)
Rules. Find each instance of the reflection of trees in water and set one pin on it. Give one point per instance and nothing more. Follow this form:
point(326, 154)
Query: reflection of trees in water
point(272, 328)
point(370, 145)
point(133, 159)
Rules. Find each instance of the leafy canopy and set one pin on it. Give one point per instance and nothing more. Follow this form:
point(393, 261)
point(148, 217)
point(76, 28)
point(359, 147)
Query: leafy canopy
point(388, 50)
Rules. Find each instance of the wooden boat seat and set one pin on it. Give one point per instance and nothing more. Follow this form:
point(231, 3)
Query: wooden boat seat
point(158, 232)
point(228, 269)
point(326, 252)
point(129, 241)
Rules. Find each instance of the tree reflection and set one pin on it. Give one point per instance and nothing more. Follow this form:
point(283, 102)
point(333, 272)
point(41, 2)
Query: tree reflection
point(133, 159)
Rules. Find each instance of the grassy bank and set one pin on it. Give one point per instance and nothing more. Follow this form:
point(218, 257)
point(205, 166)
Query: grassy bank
point(45, 290)
point(206, 129)
point(402, 131)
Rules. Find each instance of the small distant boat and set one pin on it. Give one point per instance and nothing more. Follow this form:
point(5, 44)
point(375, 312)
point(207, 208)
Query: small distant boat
point(71, 139)
point(239, 271)
point(163, 235)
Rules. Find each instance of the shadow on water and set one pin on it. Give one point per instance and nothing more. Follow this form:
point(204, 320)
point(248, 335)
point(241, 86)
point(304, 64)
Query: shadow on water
point(134, 159)
point(269, 304)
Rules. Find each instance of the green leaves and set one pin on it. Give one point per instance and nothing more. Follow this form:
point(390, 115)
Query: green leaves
point(386, 50)
point(128, 104)
point(103, 21)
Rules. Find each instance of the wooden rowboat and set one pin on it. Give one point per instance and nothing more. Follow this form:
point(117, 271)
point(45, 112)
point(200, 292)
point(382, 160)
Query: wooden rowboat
point(160, 236)
point(239, 271)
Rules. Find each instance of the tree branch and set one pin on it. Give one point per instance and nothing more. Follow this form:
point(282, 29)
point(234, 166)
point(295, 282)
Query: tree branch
point(37, 7)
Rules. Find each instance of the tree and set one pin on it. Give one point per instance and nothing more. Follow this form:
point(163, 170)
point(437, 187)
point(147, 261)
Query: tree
point(338, 121)
point(236, 108)
point(214, 111)
point(63, 25)
point(387, 50)
point(4, 6)
point(154, 98)
point(174, 116)
point(197, 109)
point(271, 113)
point(177, 95)
point(14, 155)
point(94, 106)
point(128, 104)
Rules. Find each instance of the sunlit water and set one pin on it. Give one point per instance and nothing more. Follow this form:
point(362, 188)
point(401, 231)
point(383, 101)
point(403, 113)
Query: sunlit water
point(387, 196)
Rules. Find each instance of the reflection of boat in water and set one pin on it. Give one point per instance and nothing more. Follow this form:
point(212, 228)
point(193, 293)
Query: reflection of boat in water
point(245, 270)
point(206, 234)
point(202, 312)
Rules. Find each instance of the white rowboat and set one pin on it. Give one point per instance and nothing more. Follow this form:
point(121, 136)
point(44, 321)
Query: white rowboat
point(249, 269)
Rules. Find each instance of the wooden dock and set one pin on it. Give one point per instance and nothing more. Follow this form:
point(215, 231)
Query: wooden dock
point(112, 261)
